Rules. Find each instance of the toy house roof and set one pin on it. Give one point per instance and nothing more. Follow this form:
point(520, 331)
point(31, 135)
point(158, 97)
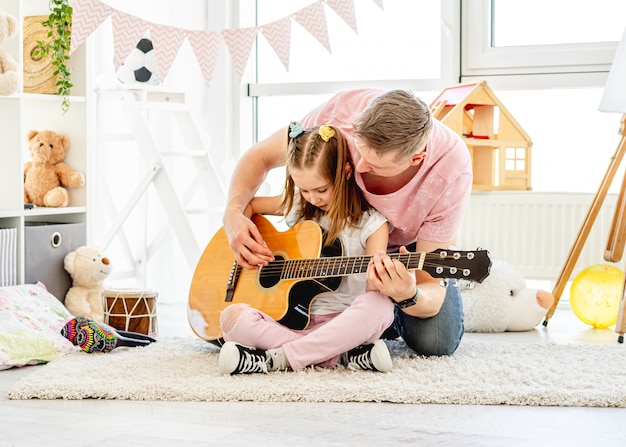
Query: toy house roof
point(453, 101)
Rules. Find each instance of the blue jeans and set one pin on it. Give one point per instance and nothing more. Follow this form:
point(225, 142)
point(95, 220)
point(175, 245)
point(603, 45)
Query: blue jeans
point(437, 335)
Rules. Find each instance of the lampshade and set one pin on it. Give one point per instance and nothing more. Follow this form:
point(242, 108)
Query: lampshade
point(614, 97)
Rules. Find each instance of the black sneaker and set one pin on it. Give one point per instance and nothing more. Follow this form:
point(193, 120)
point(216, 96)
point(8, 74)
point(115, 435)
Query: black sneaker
point(239, 359)
point(371, 357)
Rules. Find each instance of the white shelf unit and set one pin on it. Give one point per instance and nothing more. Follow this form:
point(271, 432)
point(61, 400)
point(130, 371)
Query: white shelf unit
point(22, 112)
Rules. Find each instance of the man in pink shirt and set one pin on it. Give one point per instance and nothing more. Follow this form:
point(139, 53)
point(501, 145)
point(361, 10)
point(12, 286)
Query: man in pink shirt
point(413, 170)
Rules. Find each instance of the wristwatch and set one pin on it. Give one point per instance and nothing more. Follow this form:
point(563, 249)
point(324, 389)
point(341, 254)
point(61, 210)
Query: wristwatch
point(409, 302)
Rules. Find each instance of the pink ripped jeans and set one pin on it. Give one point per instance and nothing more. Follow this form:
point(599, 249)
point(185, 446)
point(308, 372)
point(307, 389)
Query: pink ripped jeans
point(325, 338)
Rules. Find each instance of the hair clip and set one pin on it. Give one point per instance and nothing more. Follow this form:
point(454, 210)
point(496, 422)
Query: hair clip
point(326, 132)
point(295, 129)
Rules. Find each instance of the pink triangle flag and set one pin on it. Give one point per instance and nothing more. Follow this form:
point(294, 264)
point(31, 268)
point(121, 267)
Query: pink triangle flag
point(345, 9)
point(87, 15)
point(239, 42)
point(127, 30)
point(206, 47)
point(166, 41)
point(313, 19)
point(380, 4)
point(278, 35)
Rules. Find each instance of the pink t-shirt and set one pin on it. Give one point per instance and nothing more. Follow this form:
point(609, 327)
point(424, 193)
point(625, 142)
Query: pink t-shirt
point(431, 206)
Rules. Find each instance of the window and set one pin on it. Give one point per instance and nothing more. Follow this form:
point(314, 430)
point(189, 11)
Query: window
point(560, 22)
point(398, 47)
point(540, 43)
point(400, 42)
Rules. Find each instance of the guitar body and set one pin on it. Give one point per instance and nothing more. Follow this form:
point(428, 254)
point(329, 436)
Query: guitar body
point(286, 300)
point(286, 287)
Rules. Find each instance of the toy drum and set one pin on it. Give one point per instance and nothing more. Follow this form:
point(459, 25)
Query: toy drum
point(131, 310)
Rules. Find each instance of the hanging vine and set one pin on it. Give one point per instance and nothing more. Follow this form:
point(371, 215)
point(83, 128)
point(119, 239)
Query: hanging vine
point(58, 47)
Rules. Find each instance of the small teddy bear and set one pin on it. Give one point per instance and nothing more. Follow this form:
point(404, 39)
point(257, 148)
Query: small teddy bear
point(47, 177)
point(88, 269)
point(502, 302)
point(9, 77)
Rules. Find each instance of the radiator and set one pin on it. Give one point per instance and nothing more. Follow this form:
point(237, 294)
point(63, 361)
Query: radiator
point(8, 256)
point(535, 231)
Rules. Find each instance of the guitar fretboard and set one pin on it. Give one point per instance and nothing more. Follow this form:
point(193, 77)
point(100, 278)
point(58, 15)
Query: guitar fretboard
point(335, 266)
point(439, 263)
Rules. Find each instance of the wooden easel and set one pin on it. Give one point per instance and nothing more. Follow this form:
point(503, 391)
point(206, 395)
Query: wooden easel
point(617, 237)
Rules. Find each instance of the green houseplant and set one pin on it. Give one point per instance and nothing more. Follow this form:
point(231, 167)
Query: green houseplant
point(57, 47)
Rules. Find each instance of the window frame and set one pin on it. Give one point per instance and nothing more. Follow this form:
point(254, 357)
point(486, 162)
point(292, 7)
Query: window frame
point(532, 66)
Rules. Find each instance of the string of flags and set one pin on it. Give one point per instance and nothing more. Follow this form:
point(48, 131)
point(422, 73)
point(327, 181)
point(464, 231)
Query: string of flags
point(128, 29)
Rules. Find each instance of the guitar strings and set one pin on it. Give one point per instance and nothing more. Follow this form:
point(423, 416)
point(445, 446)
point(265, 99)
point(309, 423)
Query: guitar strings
point(352, 263)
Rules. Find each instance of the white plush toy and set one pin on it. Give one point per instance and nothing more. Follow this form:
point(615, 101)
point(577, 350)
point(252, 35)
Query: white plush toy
point(88, 269)
point(502, 302)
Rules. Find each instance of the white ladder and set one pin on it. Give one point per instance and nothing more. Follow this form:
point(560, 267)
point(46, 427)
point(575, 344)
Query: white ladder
point(138, 107)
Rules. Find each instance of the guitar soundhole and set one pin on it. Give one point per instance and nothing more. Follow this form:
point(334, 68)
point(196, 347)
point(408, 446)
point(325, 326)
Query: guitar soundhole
point(270, 274)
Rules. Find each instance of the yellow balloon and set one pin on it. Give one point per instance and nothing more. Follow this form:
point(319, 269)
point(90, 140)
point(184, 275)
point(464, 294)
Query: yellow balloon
point(595, 295)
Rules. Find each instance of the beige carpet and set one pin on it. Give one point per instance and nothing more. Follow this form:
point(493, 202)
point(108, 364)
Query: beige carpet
point(479, 373)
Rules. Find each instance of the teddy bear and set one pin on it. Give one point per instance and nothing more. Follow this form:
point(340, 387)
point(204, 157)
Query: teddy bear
point(88, 269)
point(503, 302)
point(47, 177)
point(9, 77)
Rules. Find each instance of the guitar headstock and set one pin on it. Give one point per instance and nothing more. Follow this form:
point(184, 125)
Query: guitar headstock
point(458, 264)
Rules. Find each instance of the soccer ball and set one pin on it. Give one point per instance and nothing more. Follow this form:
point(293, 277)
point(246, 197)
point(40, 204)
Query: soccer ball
point(140, 65)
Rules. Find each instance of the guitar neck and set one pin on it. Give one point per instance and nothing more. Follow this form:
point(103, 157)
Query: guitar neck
point(337, 266)
point(440, 263)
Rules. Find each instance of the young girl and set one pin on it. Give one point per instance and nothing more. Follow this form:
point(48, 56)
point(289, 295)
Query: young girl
point(319, 186)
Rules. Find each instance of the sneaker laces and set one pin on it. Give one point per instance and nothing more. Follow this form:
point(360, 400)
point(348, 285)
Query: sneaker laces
point(359, 358)
point(251, 362)
point(370, 357)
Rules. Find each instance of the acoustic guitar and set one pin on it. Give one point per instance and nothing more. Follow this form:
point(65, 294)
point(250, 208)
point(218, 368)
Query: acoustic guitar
point(302, 269)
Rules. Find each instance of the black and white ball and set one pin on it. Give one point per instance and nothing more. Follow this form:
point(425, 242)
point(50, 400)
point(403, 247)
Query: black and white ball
point(140, 65)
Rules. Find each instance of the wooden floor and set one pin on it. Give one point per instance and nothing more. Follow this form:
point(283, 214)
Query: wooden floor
point(128, 423)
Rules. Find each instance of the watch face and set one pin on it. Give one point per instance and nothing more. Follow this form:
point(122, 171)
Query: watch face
point(407, 303)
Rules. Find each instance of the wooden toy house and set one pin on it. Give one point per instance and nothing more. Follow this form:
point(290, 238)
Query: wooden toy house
point(499, 147)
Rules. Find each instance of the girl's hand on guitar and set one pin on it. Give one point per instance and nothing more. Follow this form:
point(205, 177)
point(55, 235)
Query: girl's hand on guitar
point(390, 277)
point(247, 244)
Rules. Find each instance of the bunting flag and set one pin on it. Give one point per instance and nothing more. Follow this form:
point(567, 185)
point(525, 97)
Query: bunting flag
point(313, 19)
point(127, 30)
point(206, 47)
point(88, 15)
point(345, 10)
point(278, 35)
point(239, 42)
point(167, 40)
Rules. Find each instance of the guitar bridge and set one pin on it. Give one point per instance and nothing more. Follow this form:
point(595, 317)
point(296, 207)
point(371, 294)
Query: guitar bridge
point(233, 277)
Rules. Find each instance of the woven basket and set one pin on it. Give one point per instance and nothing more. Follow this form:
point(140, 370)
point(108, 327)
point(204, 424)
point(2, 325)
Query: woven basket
point(38, 71)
